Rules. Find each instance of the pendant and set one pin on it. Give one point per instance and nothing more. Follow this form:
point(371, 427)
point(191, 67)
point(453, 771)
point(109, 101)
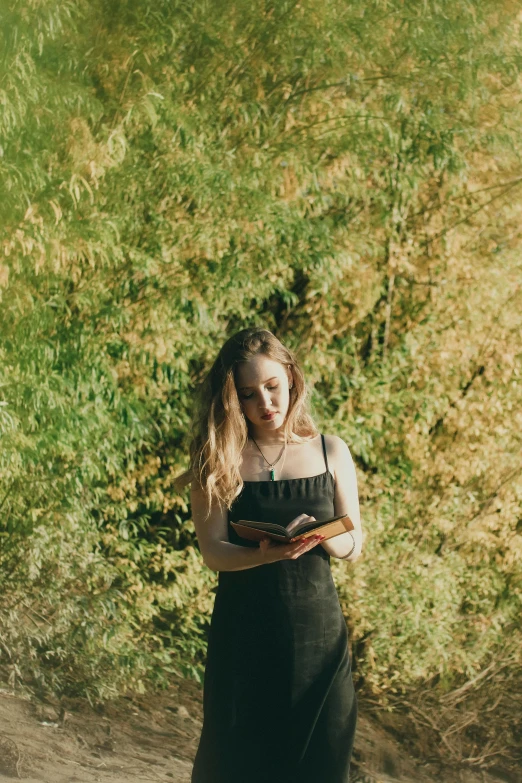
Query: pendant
point(272, 474)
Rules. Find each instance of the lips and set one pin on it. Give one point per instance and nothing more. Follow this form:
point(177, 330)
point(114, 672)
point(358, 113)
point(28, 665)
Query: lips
point(268, 416)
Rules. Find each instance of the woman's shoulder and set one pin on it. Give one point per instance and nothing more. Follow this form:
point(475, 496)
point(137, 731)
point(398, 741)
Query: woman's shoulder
point(336, 446)
point(334, 440)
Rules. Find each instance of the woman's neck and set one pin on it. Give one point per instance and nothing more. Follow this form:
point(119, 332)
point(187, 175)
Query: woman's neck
point(276, 439)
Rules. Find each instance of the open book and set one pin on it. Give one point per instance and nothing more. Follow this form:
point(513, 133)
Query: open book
point(328, 528)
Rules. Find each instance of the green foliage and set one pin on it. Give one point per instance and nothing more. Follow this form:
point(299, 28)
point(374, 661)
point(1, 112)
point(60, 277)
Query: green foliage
point(347, 174)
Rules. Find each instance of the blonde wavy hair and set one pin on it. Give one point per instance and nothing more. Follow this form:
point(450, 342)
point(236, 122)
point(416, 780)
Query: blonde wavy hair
point(219, 430)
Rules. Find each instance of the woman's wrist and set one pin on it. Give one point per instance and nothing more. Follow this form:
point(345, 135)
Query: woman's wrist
point(234, 557)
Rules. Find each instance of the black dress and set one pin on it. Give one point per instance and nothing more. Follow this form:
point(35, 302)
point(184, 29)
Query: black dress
point(278, 698)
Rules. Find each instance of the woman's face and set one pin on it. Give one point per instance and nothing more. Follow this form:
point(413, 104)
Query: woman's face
point(263, 388)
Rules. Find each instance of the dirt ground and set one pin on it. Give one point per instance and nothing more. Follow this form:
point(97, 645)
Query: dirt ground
point(154, 738)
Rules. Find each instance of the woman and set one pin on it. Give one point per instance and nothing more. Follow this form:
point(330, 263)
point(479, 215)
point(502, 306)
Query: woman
point(279, 703)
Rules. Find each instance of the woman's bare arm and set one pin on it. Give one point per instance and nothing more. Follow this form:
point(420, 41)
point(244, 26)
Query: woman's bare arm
point(346, 501)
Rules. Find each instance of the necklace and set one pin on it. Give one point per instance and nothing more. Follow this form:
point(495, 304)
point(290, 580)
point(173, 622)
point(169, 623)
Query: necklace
point(271, 464)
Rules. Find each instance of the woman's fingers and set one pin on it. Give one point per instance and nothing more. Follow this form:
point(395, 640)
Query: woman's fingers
point(313, 540)
point(303, 545)
point(292, 550)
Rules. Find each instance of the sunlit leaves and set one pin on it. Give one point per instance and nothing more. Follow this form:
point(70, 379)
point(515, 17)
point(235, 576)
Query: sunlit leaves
point(347, 174)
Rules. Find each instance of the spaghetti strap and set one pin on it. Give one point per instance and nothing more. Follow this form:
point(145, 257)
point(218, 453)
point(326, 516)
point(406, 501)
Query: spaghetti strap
point(324, 451)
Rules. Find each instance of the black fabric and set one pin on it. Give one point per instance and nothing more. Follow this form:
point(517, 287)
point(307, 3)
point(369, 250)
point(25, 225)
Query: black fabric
point(279, 703)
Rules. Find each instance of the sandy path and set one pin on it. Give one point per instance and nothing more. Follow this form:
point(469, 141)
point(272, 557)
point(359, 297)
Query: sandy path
point(127, 742)
point(154, 738)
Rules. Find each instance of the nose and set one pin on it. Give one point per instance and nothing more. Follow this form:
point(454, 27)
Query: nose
point(266, 400)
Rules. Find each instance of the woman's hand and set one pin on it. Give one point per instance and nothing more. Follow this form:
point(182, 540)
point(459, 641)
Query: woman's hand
point(273, 550)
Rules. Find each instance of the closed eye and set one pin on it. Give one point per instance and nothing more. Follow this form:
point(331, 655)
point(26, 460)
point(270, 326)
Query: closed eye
point(249, 396)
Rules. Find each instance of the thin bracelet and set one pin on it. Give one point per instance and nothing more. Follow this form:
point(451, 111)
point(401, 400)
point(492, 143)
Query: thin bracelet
point(351, 550)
